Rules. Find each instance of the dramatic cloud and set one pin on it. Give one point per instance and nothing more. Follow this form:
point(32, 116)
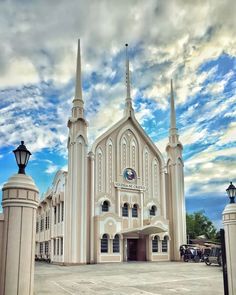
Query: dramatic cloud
point(192, 42)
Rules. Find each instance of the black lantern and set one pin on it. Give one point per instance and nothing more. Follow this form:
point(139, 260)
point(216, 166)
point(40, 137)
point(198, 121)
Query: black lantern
point(22, 157)
point(231, 191)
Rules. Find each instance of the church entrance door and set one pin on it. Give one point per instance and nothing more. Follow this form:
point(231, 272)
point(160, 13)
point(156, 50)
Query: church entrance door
point(136, 249)
point(132, 247)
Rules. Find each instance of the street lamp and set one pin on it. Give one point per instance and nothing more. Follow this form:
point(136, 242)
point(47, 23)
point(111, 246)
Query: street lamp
point(22, 157)
point(231, 191)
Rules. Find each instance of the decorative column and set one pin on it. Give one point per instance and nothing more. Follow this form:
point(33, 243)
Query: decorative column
point(229, 222)
point(20, 201)
point(92, 213)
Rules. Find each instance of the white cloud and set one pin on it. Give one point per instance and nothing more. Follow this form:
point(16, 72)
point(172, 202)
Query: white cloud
point(168, 39)
point(229, 135)
point(52, 168)
point(19, 72)
point(210, 171)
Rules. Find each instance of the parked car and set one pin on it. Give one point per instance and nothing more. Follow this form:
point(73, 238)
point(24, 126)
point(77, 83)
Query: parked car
point(215, 256)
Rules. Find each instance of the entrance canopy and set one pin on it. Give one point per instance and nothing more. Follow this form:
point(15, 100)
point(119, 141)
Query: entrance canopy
point(146, 230)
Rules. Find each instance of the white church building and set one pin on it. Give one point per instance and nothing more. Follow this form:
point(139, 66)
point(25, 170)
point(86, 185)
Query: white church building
point(119, 201)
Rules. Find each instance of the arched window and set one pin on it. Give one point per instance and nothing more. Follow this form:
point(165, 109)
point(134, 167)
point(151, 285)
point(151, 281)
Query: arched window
point(116, 244)
point(155, 244)
point(125, 210)
point(153, 211)
point(105, 206)
point(135, 210)
point(165, 244)
point(104, 243)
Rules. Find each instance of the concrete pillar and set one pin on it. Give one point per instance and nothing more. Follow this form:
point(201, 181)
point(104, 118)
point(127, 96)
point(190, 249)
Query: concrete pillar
point(92, 213)
point(20, 201)
point(229, 222)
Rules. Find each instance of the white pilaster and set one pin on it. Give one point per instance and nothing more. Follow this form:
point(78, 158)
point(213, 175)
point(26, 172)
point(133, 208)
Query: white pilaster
point(229, 222)
point(92, 185)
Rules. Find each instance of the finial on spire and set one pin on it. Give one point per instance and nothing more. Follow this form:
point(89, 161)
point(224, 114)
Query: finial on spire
point(78, 103)
point(128, 108)
point(78, 84)
point(127, 74)
point(172, 107)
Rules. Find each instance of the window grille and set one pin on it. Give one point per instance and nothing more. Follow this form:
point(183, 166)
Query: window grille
point(155, 244)
point(58, 214)
point(41, 224)
point(135, 210)
point(165, 245)
point(55, 214)
point(54, 246)
point(153, 211)
point(61, 246)
point(37, 226)
point(46, 222)
point(62, 211)
point(41, 248)
point(116, 244)
point(125, 210)
point(48, 219)
point(46, 247)
point(104, 243)
point(105, 206)
point(58, 246)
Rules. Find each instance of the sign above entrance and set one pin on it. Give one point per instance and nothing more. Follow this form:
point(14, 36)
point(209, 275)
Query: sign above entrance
point(130, 186)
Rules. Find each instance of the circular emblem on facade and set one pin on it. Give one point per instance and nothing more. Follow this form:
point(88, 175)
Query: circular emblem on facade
point(129, 174)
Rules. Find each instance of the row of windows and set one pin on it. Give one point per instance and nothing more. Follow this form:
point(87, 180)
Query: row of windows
point(115, 244)
point(59, 213)
point(45, 222)
point(44, 247)
point(58, 246)
point(164, 245)
point(125, 209)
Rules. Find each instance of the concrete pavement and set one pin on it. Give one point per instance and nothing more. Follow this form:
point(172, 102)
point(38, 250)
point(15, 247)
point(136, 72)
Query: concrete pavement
point(145, 278)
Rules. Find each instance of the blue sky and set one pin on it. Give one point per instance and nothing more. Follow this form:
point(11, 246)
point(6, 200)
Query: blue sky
point(192, 42)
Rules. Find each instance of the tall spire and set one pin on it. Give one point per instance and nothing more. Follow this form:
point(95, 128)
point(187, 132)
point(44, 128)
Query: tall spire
point(78, 84)
point(128, 100)
point(172, 107)
point(127, 74)
point(78, 103)
point(173, 132)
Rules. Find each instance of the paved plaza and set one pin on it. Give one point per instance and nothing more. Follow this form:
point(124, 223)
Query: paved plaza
point(129, 278)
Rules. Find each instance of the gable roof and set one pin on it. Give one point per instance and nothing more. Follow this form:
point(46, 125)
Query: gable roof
point(146, 138)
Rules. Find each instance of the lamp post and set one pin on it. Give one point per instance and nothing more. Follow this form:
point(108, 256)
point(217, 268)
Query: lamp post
point(22, 157)
point(231, 191)
point(19, 202)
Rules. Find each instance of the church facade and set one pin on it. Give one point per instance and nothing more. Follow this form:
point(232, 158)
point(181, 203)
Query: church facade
point(119, 201)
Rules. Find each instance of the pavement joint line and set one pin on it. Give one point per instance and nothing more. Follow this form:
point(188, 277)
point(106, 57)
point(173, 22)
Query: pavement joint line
point(58, 285)
point(86, 288)
point(184, 279)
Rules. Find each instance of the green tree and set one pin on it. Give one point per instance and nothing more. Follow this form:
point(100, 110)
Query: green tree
point(199, 224)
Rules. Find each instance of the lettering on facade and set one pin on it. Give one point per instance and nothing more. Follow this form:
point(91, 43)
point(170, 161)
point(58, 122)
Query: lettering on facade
point(130, 186)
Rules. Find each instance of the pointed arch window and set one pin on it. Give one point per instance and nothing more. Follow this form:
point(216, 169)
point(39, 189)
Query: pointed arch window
point(155, 244)
point(116, 244)
point(153, 210)
point(135, 210)
point(105, 206)
point(164, 245)
point(125, 210)
point(104, 244)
